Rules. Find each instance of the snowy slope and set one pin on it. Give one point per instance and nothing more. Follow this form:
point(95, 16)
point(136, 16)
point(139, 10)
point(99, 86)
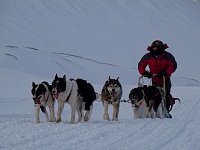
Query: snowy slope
point(86, 37)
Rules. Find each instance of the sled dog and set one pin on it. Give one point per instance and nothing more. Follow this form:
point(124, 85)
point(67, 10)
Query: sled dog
point(42, 97)
point(146, 102)
point(87, 96)
point(66, 91)
point(111, 94)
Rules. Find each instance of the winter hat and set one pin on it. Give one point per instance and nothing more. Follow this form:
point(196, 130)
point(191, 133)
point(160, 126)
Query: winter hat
point(159, 44)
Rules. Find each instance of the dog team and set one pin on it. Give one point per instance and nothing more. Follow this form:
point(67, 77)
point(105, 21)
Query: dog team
point(80, 95)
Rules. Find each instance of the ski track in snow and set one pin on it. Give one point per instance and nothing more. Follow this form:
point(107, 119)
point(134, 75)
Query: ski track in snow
point(20, 131)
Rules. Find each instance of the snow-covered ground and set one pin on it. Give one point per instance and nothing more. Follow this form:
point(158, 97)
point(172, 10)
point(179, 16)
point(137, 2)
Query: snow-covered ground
point(94, 39)
point(19, 131)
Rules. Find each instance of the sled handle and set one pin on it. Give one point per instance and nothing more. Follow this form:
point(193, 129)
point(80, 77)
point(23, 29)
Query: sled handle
point(139, 83)
point(139, 80)
point(164, 90)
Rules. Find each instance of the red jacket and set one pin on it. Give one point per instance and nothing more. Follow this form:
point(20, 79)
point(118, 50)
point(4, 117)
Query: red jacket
point(164, 62)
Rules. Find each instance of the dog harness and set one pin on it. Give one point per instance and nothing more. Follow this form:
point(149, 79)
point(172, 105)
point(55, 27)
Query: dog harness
point(47, 92)
point(69, 95)
point(67, 99)
point(37, 101)
point(110, 99)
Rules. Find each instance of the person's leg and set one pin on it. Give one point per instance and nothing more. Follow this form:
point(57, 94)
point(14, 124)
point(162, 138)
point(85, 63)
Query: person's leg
point(168, 95)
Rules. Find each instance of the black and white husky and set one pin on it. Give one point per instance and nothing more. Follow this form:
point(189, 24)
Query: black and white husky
point(66, 91)
point(42, 97)
point(147, 102)
point(79, 94)
point(111, 94)
point(87, 96)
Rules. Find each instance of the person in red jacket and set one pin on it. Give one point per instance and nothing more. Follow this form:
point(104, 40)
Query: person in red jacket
point(161, 63)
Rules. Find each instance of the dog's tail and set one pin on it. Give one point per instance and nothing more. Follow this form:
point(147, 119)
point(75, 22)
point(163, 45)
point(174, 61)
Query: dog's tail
point(98, 96)
point(172, 102)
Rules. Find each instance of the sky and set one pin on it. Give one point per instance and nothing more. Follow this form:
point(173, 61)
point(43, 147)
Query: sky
point(93, 40)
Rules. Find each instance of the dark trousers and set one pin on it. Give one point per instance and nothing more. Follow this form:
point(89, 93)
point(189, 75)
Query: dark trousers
point(168, 90)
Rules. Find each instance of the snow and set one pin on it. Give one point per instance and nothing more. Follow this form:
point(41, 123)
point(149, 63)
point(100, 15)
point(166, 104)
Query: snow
point(93, 40)
point(70, 36)
point(19, 131)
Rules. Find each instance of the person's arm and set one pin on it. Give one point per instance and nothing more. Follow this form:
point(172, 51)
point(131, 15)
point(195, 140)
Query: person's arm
point(142, 64)
point(172, 65)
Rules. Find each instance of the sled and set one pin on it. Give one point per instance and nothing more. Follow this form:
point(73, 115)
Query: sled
point(164, 111)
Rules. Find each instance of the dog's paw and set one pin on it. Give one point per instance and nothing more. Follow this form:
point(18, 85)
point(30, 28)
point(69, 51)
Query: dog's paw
point(59, 120)
point(52, 120)
point(114, 119)
point(106, 117)
point(71, 122)
point(86, 118)
point(80, 120)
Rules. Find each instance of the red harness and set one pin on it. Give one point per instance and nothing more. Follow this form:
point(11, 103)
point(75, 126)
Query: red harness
point(37, 101)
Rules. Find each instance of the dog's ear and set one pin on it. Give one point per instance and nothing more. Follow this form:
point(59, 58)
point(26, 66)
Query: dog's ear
point(33, 84)
point(106, 83)
point(56, 76)
point(130, 95)
point(64, 77)
point(109, 78)
point(117, 78)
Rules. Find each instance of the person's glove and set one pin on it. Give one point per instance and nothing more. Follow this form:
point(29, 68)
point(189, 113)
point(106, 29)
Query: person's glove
point(147, 74)
point(162, 74)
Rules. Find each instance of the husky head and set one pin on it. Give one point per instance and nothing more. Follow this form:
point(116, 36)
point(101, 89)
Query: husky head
point(40, 92)
point(135, 96)
point(113, 86)
point(58, 85)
